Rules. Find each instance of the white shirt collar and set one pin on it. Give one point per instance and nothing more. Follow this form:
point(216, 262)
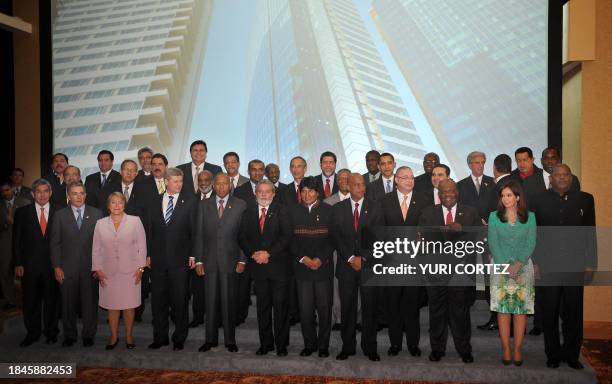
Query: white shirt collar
point(453, 212)
point(311, 206)
point(194, 166)
point(259, 207)
point(400, 196)
point(353, 204)
point(546, 177)
point(342, 196)
point(46, 207)
point(130, 185)
point(497, 179)
point(331, 179)
point(217, 199)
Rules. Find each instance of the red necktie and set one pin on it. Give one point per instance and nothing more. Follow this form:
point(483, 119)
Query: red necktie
point(262, 220)
point(298, 194)
point(356, 217)
point(43, 221)
point(449, 217)
point(327, 188)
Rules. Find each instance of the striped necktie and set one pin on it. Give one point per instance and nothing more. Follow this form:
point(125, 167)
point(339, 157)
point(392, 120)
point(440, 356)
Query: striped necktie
point(169, 210)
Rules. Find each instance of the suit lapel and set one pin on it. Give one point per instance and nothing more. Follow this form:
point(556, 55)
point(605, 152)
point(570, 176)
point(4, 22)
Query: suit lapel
point(177, 208)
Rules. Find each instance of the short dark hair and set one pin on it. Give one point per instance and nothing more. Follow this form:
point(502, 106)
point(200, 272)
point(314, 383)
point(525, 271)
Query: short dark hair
point(143, 150)
point(124, 162)
point(326, 154)
point(503, 163)
point(552, 149)
point(298, 158)
point(372, 152)
point(229, 154)
point(386, 154)
point(308, 182)
point(198, 142)
point(160, 156)
point(446, 168)
point(524, 150)
point(106, 152)
point(18, 170)
point(59, 154)
point(271, 165)
point(255, 161)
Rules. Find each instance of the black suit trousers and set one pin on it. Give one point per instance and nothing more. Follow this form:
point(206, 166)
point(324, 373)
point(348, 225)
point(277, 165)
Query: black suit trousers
point(349, 287)
point(566, 302)
point(449, 306)
point(197, 289)
point(315, 296)
point(404, 314)
point(40, 299)
point(220, 306)
point(243, 294)
point(80, 291)
point(169, 293)
point(272, 296)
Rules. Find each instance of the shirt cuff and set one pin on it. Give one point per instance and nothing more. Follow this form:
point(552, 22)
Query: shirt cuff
point(199, 263)
point(302, 260)
point(351, 258)
point(241, 262)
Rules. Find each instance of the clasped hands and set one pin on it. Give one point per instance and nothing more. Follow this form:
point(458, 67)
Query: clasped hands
point(261, 257)
point(312, 263)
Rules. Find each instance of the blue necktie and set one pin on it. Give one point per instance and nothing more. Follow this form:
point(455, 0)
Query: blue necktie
point(388, 188)
point(169, 210)
point(103, 179)
point(79, 218)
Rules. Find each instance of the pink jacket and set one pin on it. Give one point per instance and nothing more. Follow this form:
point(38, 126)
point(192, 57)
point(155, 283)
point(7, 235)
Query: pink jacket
point(124, 250)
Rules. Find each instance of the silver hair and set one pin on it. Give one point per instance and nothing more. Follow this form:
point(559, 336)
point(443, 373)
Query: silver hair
point(344, 170)
point(38, 182)
point(170, 172)
point(74, 185)
point(403, 167)
point(266, 182)
point(474, 154)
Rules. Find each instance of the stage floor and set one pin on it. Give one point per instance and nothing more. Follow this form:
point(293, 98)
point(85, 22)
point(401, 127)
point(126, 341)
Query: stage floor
point(487, 367)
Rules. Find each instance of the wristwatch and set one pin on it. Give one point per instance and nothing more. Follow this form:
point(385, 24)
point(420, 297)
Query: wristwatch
point(141, 269)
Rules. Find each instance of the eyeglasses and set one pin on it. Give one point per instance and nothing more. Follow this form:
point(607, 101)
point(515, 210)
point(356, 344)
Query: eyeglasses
point(405, 177)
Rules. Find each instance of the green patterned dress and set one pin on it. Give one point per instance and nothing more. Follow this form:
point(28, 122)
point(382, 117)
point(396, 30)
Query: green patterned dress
point(509, 243)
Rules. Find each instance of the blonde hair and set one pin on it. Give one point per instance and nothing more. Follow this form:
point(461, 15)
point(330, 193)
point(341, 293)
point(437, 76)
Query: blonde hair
point(115, 194)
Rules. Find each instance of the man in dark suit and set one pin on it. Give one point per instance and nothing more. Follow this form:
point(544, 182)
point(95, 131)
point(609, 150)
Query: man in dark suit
point(403, 208)
point(32, 264)
point(264, 238)
point(72, 232)
point(17, 183)
point(205, 185)
point(60, 197)
point(449, 305)
point(385, 183)
point(535, 185)
point(438, 173)
point(59, 162)
point(170, 239)
point(475, 190)
point(231, 163)
point(423, 181)
point(145, 155)
point(373, 172)
point(312, 253)
point(326, 181)
point(297, 167)
point(198, 151)
point(246, 191)
point(155, 185)
point(107, 177)
point(219, 260)
point(272, 172)
point(350, 218)
point(562, 260)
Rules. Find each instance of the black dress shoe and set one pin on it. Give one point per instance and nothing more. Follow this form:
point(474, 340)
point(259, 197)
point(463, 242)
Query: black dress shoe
point(344, 355)
point(207, 346)
point(68, 342)
point(51, 340)
point(157, 345)
point(373, 356)
point(88, 342)
point(490, 325)
point(195, 324)
point(336, 327)
point(535, 331)
point(281, 352)
point(467, 358)
point(130, 345)
point(307, 352)
point(323, 353)
point(28, 341)
point(112, 346)
point(552, 364)
point(264, 350)
point(394, 350)
point(575, 364)
point(178, 347)
point(436, 356)
point(414, 350)
point(231, 348)
point(293, 321)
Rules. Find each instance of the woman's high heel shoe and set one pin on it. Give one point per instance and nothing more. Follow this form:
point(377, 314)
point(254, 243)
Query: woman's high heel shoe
point(518, 363)
point(506, 362)
point(112, 346)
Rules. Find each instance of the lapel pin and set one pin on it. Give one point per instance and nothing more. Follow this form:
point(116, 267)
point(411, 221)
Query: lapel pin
point(460, 213)
point(486, 184)
point(229, 207)
point(317, 217)
point(87, 217)
point(182, 201)
point(366, 212)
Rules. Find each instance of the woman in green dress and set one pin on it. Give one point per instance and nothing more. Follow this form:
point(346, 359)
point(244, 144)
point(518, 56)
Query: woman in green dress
point(512, 238)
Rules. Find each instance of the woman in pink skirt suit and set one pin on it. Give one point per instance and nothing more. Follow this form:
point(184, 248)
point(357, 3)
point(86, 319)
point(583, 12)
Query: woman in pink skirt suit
point(119, 258)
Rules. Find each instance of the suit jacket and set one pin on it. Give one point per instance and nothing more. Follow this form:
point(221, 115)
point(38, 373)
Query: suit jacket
point(533, 186)
point(25, 192)
point(280, 192)
point(188, 186)
point(376, 190)
point(54, 180)
point(333, 199)
point(71, 246)
point(241, 180)
point(274, 239)
point(321, 185)
point(469, 196)
point(59, 197)
point(30, 246)
point(94, 188)
point(170, 245)
point(119, 251)
point(245, 192)
point(199, 196)
point(312, 238)
point(392, 211)
point(148, 188)
point(347, 241)
point(366, 177)
point(290, 195)
point(216, 245)
point(6, 229)
point(137, 203)
point(422, 182)
point(141, 176)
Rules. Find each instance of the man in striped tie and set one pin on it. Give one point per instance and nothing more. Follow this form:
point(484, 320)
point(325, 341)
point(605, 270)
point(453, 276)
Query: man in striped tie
point(169, 242)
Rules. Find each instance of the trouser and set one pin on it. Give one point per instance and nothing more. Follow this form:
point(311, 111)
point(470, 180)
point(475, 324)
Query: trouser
point(404, 314)
point(169, 293)
point(350, 288)
point(449, 307)
point(272, 299)
point(80, 289)
point(567, 302)
point(220, 285)
point(315, 296)
point(40, 300)
point(197, 289)
point(243, 294)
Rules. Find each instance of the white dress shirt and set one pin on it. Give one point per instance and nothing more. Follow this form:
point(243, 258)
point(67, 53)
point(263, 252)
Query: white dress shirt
point(436, 196)
point(477, 180)
point(400, 196)
point(343, 197)
point(497, 179)
point(130, 187)
point(103, 175)
point(206, 196)
point(46, 208)
point(372, 178)
point(385, 180)
point(259, 207)
point(165, 201)
point(331, 181)
point(546, 177)
point(453, 212)
point(353, 202)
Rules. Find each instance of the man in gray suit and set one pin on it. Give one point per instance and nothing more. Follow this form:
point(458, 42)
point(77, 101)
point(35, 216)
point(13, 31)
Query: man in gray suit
point(342, 194)
point(71, 241)
point(219, 260)
point(231, 163)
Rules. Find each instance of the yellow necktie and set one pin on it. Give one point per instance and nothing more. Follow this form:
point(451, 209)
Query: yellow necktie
point(161, 188)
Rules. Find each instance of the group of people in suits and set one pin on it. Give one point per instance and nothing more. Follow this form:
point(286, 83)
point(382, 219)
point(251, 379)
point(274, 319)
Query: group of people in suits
point(195, 230)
